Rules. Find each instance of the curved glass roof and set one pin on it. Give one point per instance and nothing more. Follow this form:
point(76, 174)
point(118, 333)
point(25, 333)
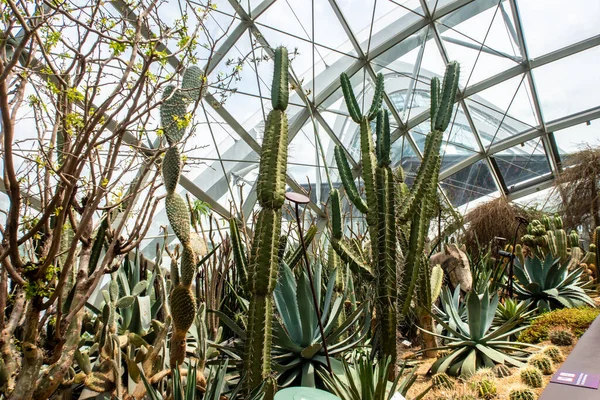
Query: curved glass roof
point(528, 92)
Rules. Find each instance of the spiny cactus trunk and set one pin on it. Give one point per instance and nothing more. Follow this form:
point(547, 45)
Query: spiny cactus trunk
point(263, 263)
point(393, 213)
point(181, 299)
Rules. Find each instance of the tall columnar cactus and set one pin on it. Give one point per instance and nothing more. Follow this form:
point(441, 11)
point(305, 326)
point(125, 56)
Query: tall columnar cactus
point(174, 120)
point(263, 260)
point(394, 214)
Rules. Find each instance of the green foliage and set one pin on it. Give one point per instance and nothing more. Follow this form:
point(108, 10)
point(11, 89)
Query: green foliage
point(367, 381)
point(550, 284)
point(442, 381)
point(541, 362)
point(561, 336)
point(522, 394)
point(532, 377)
point(553, 353)
point(501, 371)
point(474, 344)
point(298, 346)
point(576, 319)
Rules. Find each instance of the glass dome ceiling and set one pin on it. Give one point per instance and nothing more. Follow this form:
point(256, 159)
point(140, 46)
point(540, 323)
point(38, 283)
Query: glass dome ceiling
point(528, 92)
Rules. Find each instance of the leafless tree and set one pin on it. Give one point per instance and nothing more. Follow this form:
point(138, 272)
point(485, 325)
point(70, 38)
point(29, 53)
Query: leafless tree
point(80, 87)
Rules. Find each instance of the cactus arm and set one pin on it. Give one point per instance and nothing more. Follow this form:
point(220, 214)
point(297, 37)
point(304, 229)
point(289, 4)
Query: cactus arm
point(348, 181)
point(280, 88)
point(448, 94)
point(239, 256)
point(271, 182)
point(295, 256)
point(337, 220)
point(368, 168)
point(435, 99)
point(377, 98)
point(351, 103)
point(411, 268)
point(347, 253)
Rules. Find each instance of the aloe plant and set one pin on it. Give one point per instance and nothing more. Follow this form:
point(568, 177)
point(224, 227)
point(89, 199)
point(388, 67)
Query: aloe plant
point(475, 344)
point(513, 309)
point(550, 284)
point(298, 346)
point(394, 214)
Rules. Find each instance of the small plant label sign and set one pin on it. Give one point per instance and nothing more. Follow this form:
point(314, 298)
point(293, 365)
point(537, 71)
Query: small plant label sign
point(580, 379)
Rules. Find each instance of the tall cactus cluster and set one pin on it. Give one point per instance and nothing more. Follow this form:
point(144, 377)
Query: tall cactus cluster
point(548, 236)
point(263, 257)
point(174, 120)
point(394, 214)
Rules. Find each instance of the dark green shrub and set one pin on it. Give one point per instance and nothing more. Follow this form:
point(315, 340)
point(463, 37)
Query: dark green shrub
point(577, 319)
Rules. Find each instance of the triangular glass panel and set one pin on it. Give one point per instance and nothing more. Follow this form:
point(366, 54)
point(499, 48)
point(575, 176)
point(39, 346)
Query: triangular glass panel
point(522, 163)
point(563, 86)
point(544, 20)
point(291, 17)
point(575, 138)
point(493, 125)
point(469, 184)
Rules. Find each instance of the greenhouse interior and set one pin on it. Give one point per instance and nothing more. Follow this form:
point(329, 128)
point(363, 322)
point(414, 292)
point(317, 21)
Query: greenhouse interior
point(300, 199)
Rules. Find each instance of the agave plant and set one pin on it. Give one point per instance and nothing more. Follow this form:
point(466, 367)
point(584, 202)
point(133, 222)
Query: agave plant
point(510, 308)
point(365, 381)
point(474, 344)
point(549, 284)
point(449, 301)
point(297, 344)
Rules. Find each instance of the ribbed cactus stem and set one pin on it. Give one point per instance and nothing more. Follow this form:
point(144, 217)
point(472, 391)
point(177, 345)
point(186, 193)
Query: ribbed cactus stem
point(173, 119)
point(263, 262)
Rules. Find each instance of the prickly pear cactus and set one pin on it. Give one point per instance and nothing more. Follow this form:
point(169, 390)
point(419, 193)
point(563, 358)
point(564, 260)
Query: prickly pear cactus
point(263, 260)
point(522, 394)
point(174, 120)
point(532, 377)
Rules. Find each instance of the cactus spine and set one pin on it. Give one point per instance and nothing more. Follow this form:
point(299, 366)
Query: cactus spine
point(264, 259)
point(532, 377)
point(173, 113)
point(522, 394)
point(393, 213)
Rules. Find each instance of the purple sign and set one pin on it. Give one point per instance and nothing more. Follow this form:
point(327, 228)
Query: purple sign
point(580, 379)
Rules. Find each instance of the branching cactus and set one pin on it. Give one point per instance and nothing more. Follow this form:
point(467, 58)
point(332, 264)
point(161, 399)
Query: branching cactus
point(393, 213)
point(174, 120)
point(264, 260)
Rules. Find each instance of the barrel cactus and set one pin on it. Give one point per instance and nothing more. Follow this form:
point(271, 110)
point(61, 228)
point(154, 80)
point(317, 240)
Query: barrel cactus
point(522, 394)
point(541, 362)
point(561, 336)
point(501, 371)
point(174, 120)
point(485, 388)
point(442, 381)
point(532, 377)
point(553, 353)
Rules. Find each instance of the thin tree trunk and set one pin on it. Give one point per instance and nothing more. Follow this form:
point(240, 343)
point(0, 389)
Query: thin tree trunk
point(429, 341)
